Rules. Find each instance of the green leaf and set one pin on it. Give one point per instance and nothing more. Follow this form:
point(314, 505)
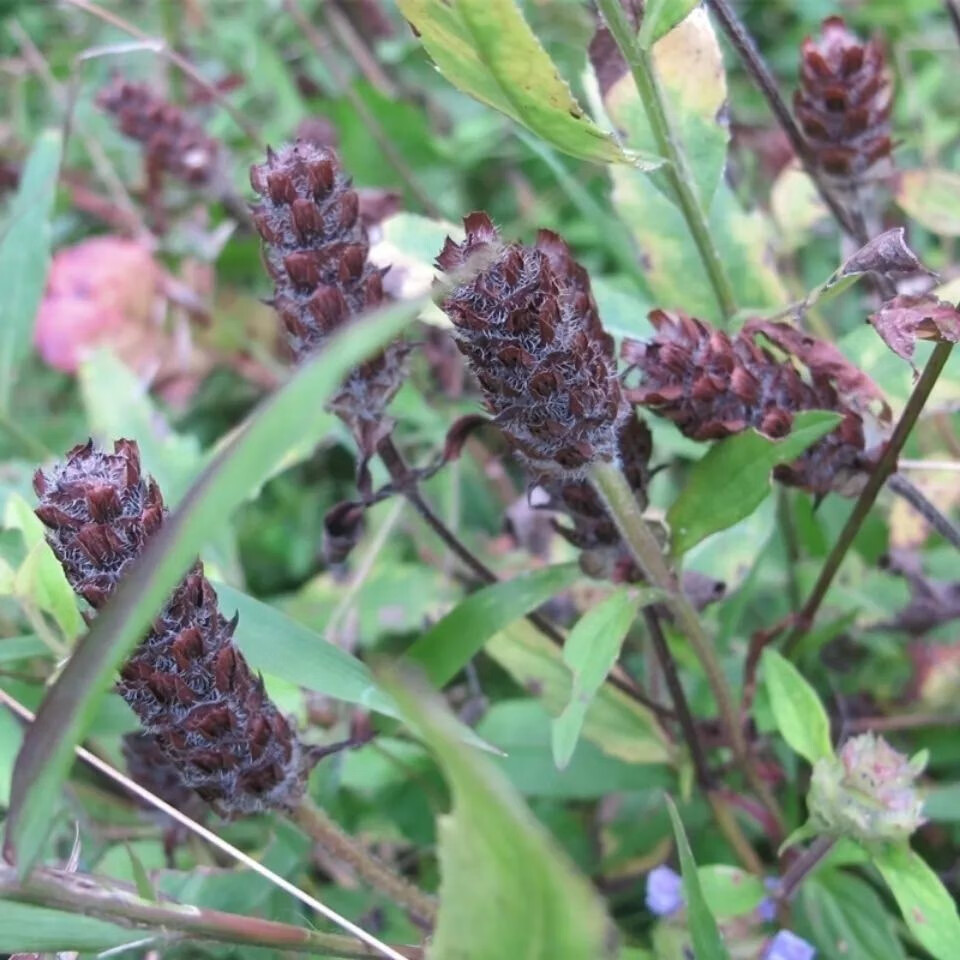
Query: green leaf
point(41, 579)
point(504, 881)
point(926, 905)
point(11, 733)
point(449, 645)
point(932, 198)
point(26, 927)
point(733, 479)
point(619, 726)
point(173, 460)
point(800, 716)
point(25, 256)
point(486, 49)
point(942, 803)
point(707, 942)
point(660, 17)
point(730, 891)
point(841, 908)
point(279, 646)
point(274, 427)
point(140, 878)
point(590, 652)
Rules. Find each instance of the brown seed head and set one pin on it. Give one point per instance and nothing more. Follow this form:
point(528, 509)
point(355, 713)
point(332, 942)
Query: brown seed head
point(844, 100)
point(173, 143)
point(530, 330)
point(186, 681)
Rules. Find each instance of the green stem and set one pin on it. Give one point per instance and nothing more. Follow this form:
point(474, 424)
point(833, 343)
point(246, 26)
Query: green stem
point(170, 922)
point(884, 468)
point(337, 842)
point(620, 502)
point(677, 170)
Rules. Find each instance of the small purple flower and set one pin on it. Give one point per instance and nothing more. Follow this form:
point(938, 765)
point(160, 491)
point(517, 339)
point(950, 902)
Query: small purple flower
point(788, 946)
point(664, 891)
point(767, 907)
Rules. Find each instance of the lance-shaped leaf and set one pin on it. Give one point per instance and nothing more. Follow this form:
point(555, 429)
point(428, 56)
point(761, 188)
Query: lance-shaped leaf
point(486, 49)
point(506, 888)
point(799, 714)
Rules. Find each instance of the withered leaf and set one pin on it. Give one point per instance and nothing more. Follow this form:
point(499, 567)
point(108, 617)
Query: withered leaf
point(887, 254)
point(905, 319)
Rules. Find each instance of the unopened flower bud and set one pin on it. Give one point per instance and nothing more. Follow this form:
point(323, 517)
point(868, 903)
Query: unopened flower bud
point(664, 891)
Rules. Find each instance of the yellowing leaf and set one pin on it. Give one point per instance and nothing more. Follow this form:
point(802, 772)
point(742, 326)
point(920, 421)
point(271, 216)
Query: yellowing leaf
point(932, 198)
point(486, 49)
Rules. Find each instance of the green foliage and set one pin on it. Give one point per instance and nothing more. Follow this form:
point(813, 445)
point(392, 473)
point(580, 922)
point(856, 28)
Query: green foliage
point(27, 927)
point(25, 256)
point(504, 880)
point(733, 479)
point(800, 716)
point(729, 891)
point(485, 48)
point(707, 942)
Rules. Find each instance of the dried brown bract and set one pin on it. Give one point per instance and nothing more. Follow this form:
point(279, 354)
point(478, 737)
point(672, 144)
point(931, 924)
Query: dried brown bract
point(713, 385)
point(186, 681)
point(844, 100)
point(530, 330)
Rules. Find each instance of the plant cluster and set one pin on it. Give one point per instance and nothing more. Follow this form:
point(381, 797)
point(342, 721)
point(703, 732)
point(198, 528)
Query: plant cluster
point(576, 597)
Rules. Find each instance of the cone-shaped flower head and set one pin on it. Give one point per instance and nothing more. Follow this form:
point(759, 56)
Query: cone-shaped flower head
point(173, 143)
point(868, 792)
point(844, 100)
point(186, 681)
point(316, 250)
point(529, 327)
point(713, 385)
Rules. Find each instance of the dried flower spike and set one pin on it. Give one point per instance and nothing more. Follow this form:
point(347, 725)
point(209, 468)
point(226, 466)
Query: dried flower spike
point(530, 330)
point(317, 253)
point(173, 143)
point(186, 681)
point(867, 792)
point(712, 385)
point(844, 100)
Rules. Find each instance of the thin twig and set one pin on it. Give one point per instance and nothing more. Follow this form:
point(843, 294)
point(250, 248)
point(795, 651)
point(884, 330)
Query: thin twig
point(166, 921)
point(373, 125)
point(953, 11)
point(802, 867)
point(154, 801)
point(901, 486)
point(622, 507)
point(182, 64)
point(868, 495)
point(353, 43)
point(677, 170)
point(907, 721)
point(705, 780)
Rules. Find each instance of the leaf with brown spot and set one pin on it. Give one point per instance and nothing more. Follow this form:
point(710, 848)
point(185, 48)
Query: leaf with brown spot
point(905, 319)
point(887, 254)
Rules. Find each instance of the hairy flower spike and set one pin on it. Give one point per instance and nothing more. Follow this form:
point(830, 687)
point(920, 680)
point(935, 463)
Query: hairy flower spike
point(317, 253)
point(844, 100)
point(530, 330)
point(868, 792)
point(173, 143)
point(186, 681)
point(713, 385)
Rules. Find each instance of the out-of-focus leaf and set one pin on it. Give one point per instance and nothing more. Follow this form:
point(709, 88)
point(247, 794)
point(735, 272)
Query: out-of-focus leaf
point(11, 733)
point(450, 644)
point(19, 648)
point(486, 49)
point(840, 908)
point(689, 66)
point(733, 479)
point(502, 876)
point(41, 579)
point(173, 460)
point(707, 942)
point(591, 649)
point(660, 17)
point(615, 723)
point(800, 716)
point(274, 427)
point(942, 803)
point(282, 647)
point(796, 207)
point(730, 891)
point(26, 927)
point(932, 198)
point(926, 904)
point(25, 255)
